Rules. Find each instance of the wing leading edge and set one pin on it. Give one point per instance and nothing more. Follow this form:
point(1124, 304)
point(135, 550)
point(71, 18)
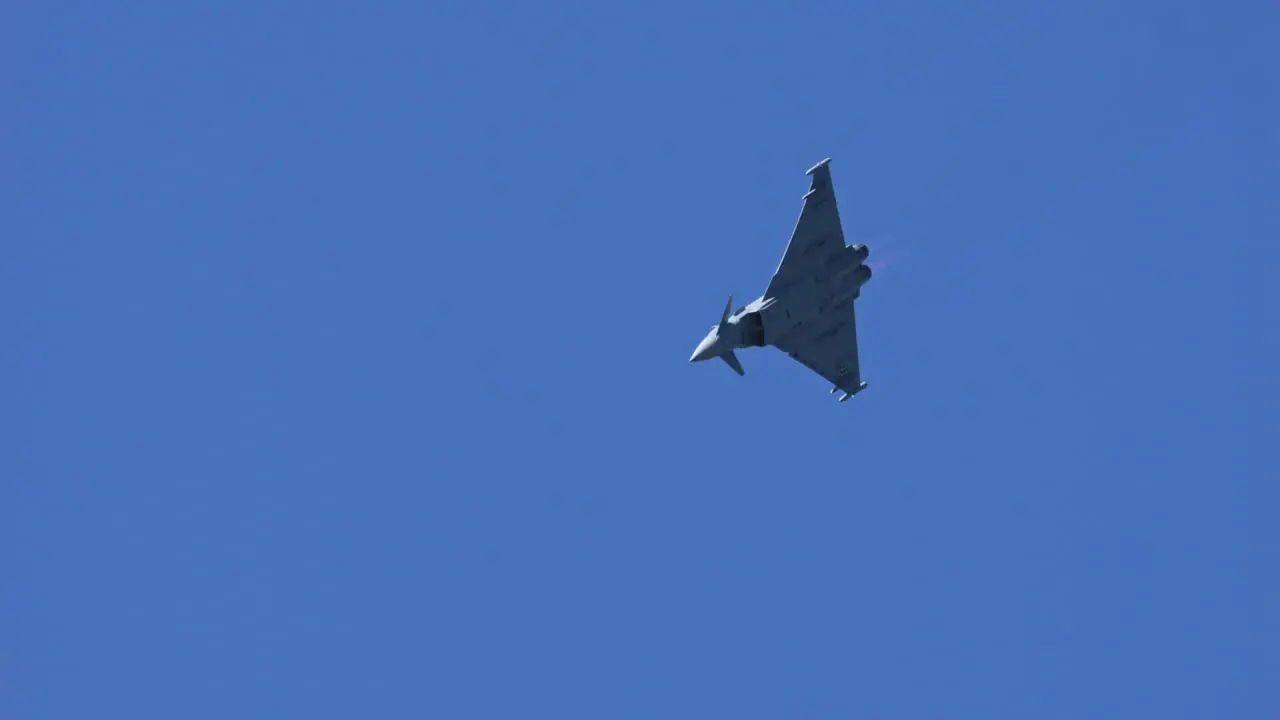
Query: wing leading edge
point(817, 233)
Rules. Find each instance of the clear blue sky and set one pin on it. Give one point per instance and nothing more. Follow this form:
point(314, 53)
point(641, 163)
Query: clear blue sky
point(347, 376)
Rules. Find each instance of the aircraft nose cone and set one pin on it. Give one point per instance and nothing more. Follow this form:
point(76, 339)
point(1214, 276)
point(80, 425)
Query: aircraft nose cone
point(705, 349)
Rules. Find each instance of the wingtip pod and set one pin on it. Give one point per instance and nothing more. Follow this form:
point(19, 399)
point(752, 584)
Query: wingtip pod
point(846, 396)
point(819, 176)
point(821, 164)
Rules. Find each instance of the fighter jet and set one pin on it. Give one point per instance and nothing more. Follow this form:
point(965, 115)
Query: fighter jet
point(807, 309)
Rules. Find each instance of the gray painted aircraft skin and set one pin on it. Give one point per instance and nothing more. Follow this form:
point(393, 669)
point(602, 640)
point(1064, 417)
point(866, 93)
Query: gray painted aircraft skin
point(807, 309)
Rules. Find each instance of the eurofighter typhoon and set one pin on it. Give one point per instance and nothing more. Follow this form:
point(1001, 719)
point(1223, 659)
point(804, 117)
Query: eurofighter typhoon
point(807, 309)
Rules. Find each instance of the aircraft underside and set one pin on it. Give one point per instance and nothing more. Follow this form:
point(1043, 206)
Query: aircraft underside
point(807, 311)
